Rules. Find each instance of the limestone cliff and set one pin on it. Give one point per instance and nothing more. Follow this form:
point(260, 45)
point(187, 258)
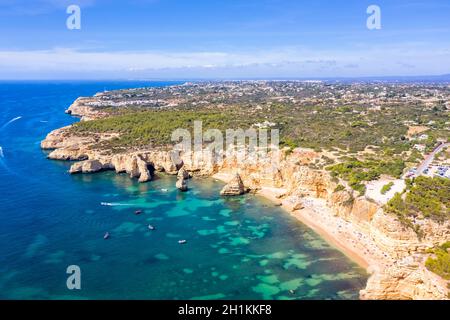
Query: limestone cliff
point(406, 279)
point(88, 166)
point(82, 108)
point(393, 252)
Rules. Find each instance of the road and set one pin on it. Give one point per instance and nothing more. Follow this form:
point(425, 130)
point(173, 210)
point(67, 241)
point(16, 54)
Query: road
point(429, 158)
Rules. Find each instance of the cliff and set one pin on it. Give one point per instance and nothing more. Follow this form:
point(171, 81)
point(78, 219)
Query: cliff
point(81, 108)
point(393, 253)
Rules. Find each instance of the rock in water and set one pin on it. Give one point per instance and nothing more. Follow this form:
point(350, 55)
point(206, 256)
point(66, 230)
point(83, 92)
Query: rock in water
point(144, 173)
point(132, 167)
point(181, 184)
point(182, 173)
point(234, 188)
point(88, 166)
point(182, 176)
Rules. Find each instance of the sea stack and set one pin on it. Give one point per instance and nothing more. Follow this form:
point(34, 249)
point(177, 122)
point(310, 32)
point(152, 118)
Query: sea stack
point(182, 176)
point(144, 173)
point(183, 173)
point(234, 188)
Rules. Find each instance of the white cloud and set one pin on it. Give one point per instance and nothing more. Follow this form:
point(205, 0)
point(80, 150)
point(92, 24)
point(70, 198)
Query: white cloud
point(394, 60)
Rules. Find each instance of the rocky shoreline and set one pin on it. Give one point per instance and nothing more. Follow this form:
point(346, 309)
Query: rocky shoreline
point(392, 253)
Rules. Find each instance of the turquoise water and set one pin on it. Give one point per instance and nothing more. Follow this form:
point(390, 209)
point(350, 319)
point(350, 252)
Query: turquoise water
point(237, 248)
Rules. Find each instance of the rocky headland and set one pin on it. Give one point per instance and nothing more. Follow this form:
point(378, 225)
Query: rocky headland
point(392, 253)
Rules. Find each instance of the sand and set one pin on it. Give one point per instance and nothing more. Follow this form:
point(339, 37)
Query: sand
point(374, 189)
point(339, 233)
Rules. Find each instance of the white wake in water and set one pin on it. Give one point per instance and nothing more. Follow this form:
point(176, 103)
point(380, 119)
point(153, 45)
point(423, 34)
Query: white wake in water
point(11, 121)
point(113, 204)
point(1, 153)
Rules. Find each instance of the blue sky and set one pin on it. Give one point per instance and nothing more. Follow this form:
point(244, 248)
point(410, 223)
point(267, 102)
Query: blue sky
point(144, 39)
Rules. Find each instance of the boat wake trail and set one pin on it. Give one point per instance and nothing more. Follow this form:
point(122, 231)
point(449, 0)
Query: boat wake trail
point(11, 121)
point(113, 204)
point(1, 153)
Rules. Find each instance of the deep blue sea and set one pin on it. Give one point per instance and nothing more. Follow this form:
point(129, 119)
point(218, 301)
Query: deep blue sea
point(237, 248)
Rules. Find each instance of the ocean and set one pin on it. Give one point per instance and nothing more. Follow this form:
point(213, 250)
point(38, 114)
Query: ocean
point(237, 248)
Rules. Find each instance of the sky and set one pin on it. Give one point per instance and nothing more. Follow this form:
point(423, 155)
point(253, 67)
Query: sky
point(229, 39)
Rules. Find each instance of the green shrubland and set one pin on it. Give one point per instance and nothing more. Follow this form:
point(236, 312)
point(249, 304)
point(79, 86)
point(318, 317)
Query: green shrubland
point(355, 172)
point(425, 198)
point(319, 126)
point(385, 189)
point(439, 263)
point(155, 127)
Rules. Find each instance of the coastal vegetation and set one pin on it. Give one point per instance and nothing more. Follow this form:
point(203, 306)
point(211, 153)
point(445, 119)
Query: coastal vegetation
point(385, 189)
point(137, 128)
point(362, 140)
point(367, 141)
point(439, 262)
point(313, 116)
point(414, 157)
point(424, 197)
point(323, 128)
point(356, 172)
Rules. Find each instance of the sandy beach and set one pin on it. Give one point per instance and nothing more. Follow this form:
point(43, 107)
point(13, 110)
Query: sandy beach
point(339, 233)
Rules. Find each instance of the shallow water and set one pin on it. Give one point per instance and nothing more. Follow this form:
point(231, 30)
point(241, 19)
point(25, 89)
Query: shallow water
point(237, 248)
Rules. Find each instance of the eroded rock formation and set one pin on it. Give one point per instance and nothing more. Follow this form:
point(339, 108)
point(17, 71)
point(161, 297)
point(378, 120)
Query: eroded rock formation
point(88, 166)
point(406, 279)
point(234, 188)
point(397, 272)
point(181, 183)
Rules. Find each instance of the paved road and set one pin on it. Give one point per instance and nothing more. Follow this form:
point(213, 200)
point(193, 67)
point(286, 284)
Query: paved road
point(429, 158)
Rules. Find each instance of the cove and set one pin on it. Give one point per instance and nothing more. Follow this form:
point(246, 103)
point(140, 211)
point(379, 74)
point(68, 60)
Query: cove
point(237, 248)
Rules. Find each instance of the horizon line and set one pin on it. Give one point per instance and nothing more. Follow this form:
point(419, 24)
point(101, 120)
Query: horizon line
point(445, 76)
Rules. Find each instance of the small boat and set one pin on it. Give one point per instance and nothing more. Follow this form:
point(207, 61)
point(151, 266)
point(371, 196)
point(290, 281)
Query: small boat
point(150, 227)
point(137, 212)
point(164, 190)
point(182, 241)
point(106, 236)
